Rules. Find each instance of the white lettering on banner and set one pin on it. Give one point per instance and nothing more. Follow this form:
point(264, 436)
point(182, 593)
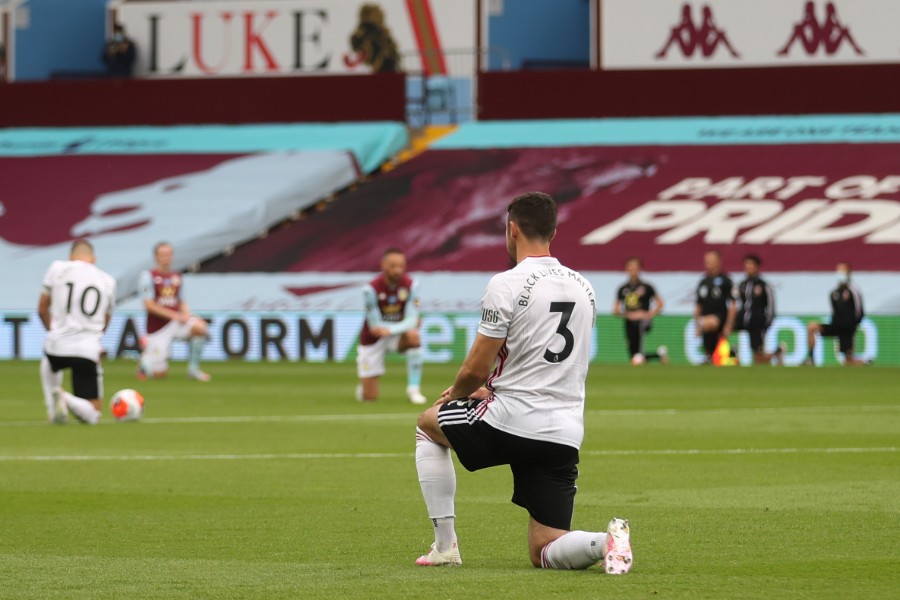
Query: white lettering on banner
point(887, 235)
point(787, 219)
point(723, 221)
point(703, 187)
point(818, 228)
point(652, 216)
point(745, 215)
point(795, 185)
point(697, 34)
point(862, 186)
point(284, 37)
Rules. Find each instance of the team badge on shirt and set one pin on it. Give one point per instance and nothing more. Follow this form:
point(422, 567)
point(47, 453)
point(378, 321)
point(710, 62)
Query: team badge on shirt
point(402, 294)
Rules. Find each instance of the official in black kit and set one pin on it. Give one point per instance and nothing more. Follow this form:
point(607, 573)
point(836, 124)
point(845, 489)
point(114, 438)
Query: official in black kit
point(715, 307)
point(637, 302)
point(756, 311)
point(846, 315)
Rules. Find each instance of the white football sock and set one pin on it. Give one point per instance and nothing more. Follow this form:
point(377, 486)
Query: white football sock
point(574, 550)
point(81, 408)
point(49, 382)
point(437, 478)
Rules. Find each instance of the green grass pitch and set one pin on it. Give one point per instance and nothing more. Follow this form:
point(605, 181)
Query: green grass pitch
point(272, 482)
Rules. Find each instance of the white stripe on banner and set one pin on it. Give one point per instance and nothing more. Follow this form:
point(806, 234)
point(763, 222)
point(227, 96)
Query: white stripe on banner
point(407, 455)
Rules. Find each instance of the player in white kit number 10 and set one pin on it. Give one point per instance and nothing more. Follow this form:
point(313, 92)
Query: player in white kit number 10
point(75, 305)
point(518, 400)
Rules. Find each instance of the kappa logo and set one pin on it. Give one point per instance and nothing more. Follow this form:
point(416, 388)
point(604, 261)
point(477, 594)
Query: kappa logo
point(691, 38)
point(828, 35)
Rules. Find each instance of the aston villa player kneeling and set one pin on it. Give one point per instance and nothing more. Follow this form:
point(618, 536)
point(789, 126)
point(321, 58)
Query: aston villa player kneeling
point(168, 319)
point(391, 325)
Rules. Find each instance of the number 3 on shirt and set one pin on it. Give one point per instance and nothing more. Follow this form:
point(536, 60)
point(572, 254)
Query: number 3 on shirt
point(565, 313)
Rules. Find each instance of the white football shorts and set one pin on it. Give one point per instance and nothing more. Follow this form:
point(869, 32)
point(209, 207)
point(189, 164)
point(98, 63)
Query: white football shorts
point(370, 359)
point(155, 356)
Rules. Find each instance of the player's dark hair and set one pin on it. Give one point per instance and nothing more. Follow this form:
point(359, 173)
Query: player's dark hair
point(754, 259)
point(535, 214)
point(636, 259)
point(391, 250)
point(160, 245)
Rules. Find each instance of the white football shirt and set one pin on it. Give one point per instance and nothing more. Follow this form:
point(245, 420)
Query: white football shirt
point(546, 313)
point(81, 295)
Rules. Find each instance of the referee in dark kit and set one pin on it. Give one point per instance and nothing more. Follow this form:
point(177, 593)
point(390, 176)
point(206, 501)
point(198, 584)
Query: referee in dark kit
point(715, 307)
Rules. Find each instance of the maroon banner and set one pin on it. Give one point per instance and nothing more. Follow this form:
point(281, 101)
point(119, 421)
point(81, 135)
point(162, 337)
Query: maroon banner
point(800, 207)
point(752, 91)
point(378, 97)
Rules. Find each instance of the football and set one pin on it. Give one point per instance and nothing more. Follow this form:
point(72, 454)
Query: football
point(127, 405)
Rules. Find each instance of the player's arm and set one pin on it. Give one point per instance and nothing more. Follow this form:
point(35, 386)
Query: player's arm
point(154, 308)
point(729, 320)
point(617, 308)
point(697, 311)
point(496, 315)
point(373, 313)
point(476, 368)
point(183, 309)
point(658, 305)
point(732, 311)
point(112, 305)
point(410, 314)
point(44, 299)
point(857, 303)
point(44, 309)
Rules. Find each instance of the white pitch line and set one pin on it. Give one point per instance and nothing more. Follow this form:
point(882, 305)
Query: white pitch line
point(244, 419)
point(410, 416)
point(163, 457)
point(746, 410)
point(708, 451)
point(283, 418)
point(319, 456)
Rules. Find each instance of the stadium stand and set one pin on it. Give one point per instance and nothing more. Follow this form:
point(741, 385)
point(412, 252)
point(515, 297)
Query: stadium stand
point(203, 189)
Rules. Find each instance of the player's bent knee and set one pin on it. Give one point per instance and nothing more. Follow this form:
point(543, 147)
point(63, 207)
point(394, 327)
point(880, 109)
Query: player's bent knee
point(428, 421)
point(410, 339)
